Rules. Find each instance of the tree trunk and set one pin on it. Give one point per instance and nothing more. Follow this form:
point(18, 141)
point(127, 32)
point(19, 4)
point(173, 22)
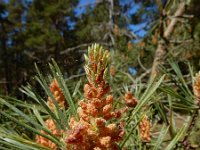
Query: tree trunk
point(162, 45)
point(5, 62)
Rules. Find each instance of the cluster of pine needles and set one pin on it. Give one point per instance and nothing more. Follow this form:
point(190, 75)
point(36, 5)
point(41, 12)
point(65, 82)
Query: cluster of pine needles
point(98, 116)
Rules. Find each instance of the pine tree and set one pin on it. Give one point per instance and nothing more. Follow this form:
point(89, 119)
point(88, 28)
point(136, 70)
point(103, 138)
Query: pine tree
point(11, 39)
point(48, 30)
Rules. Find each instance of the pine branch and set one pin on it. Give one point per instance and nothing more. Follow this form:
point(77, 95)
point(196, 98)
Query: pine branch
point(162, 45)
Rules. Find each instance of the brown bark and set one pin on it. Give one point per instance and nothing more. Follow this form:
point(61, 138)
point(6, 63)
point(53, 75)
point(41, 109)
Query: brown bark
point(162, 45)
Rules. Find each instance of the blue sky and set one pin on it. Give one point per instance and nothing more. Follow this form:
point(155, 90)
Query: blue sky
point(79, 10)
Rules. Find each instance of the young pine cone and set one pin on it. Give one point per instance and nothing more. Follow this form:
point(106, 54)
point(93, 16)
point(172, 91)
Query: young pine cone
point(145, 127)
point(58, 95)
